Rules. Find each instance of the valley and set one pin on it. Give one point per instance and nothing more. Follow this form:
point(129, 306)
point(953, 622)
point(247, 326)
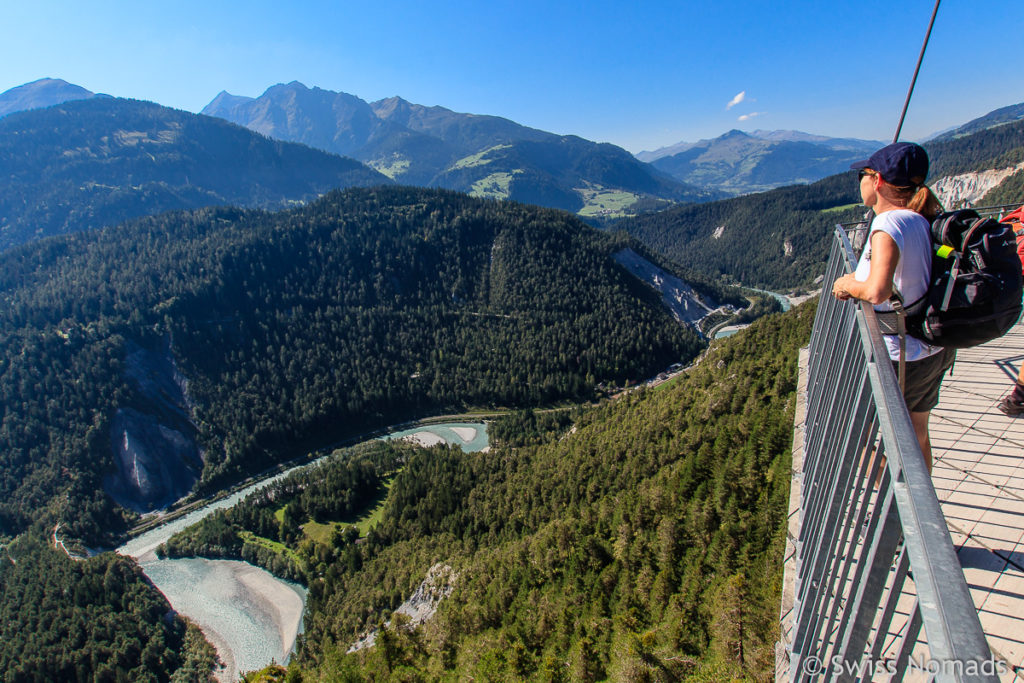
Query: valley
point(191, 304)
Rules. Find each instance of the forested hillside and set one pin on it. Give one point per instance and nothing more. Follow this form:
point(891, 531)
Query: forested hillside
point(996, 147)
point(779, 239)
point(1009, 192)
point(644, 544)
point(998, 117)
point(91, 163)
point(291, 330)
point(93, 620)
point(776, 239)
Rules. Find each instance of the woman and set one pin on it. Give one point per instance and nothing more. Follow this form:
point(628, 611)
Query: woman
point(897, 258)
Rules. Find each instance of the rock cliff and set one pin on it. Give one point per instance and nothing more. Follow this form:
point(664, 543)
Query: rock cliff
point(967, 188)
point(677, 296)
point(156, 458)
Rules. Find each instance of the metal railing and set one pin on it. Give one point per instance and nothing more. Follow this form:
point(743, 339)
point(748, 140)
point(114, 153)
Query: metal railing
point(870, 518)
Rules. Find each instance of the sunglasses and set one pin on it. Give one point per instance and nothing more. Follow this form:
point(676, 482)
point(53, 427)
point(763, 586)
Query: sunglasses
point(863, 172)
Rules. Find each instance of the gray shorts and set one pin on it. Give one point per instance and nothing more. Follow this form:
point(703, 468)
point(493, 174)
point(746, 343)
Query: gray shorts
point(923, 379)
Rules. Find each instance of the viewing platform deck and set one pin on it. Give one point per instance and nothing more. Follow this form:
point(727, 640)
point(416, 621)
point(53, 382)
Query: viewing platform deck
point(979, 480)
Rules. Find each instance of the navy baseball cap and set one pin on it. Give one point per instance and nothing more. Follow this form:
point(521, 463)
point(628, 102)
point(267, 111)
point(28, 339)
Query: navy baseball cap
point(903, 164)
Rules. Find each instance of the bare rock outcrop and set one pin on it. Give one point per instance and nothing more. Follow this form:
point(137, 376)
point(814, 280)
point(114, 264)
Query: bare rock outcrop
point(678, 297)
point(422, 604)
point(967, 188)
point(156, 457)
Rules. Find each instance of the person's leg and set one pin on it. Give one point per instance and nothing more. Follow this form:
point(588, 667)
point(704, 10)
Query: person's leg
point(920, 422)
point(924, 378)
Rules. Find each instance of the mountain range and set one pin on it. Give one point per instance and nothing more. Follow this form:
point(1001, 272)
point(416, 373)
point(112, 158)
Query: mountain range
point(95, 162)
point(486, 156)
point(493, 157)
point(779, 239)
point(740, 163)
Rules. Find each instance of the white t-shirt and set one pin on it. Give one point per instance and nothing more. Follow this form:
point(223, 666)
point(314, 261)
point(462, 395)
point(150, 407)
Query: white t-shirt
point(912, 234)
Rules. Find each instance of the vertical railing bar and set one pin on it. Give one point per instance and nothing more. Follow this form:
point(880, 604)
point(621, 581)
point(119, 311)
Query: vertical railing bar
point(823, 362)
point(844, 505)
point(881, 548)
point(815, 429)
point(849, 611)
point(836, 263)
point(817, 347)
point(868, 590)
point(838, 319)
point(910, 635)
point(882, 498)
point(819, 517)
point(857, 482)
point(827, 388)
point(821, 435)
point(823, 527)
point(829, 436)
point(820, 350)
point(892, 600)
point(826, 485)
point(818, 378)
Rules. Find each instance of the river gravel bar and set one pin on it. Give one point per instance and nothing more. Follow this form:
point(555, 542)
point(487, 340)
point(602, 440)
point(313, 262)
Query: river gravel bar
point(249, 615)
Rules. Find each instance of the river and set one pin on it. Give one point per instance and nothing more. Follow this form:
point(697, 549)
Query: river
point(783, 300)
point(251, 616)
point(472, 437)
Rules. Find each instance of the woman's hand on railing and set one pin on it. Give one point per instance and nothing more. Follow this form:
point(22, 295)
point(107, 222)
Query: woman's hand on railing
point(839, 287)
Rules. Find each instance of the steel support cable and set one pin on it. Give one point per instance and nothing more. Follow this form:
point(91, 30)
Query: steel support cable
point(917, 70)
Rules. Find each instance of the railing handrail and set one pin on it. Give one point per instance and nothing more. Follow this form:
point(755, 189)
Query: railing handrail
point(984, 211)
point(853, 511)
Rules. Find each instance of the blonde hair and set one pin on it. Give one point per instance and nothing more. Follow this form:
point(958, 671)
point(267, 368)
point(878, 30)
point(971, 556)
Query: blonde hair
point(925, 202)
point(918, 197)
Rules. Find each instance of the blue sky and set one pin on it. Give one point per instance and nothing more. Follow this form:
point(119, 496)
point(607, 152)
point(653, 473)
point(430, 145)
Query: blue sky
point(641, 75)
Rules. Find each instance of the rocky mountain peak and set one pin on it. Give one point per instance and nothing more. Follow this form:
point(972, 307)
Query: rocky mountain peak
point(44, 92)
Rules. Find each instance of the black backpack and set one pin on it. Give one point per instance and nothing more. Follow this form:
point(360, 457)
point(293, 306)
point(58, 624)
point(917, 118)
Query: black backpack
point(974, 294)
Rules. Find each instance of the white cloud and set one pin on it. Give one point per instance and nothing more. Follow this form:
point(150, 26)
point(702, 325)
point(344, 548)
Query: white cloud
point(736, 100)
point(747, 117)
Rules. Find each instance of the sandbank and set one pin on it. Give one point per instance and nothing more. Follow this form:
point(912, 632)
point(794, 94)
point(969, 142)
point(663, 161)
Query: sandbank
point(248, 615)
point(467, 434)
point(274, 598)
point(425, 439)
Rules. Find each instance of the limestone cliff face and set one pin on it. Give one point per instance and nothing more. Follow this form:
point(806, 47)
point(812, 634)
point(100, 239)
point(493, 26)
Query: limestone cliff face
point(421, 605)
point(968, 188)
point(678, 297)
point(156, 458)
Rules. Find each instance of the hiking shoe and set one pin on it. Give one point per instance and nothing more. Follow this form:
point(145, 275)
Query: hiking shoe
point(1012, 408)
